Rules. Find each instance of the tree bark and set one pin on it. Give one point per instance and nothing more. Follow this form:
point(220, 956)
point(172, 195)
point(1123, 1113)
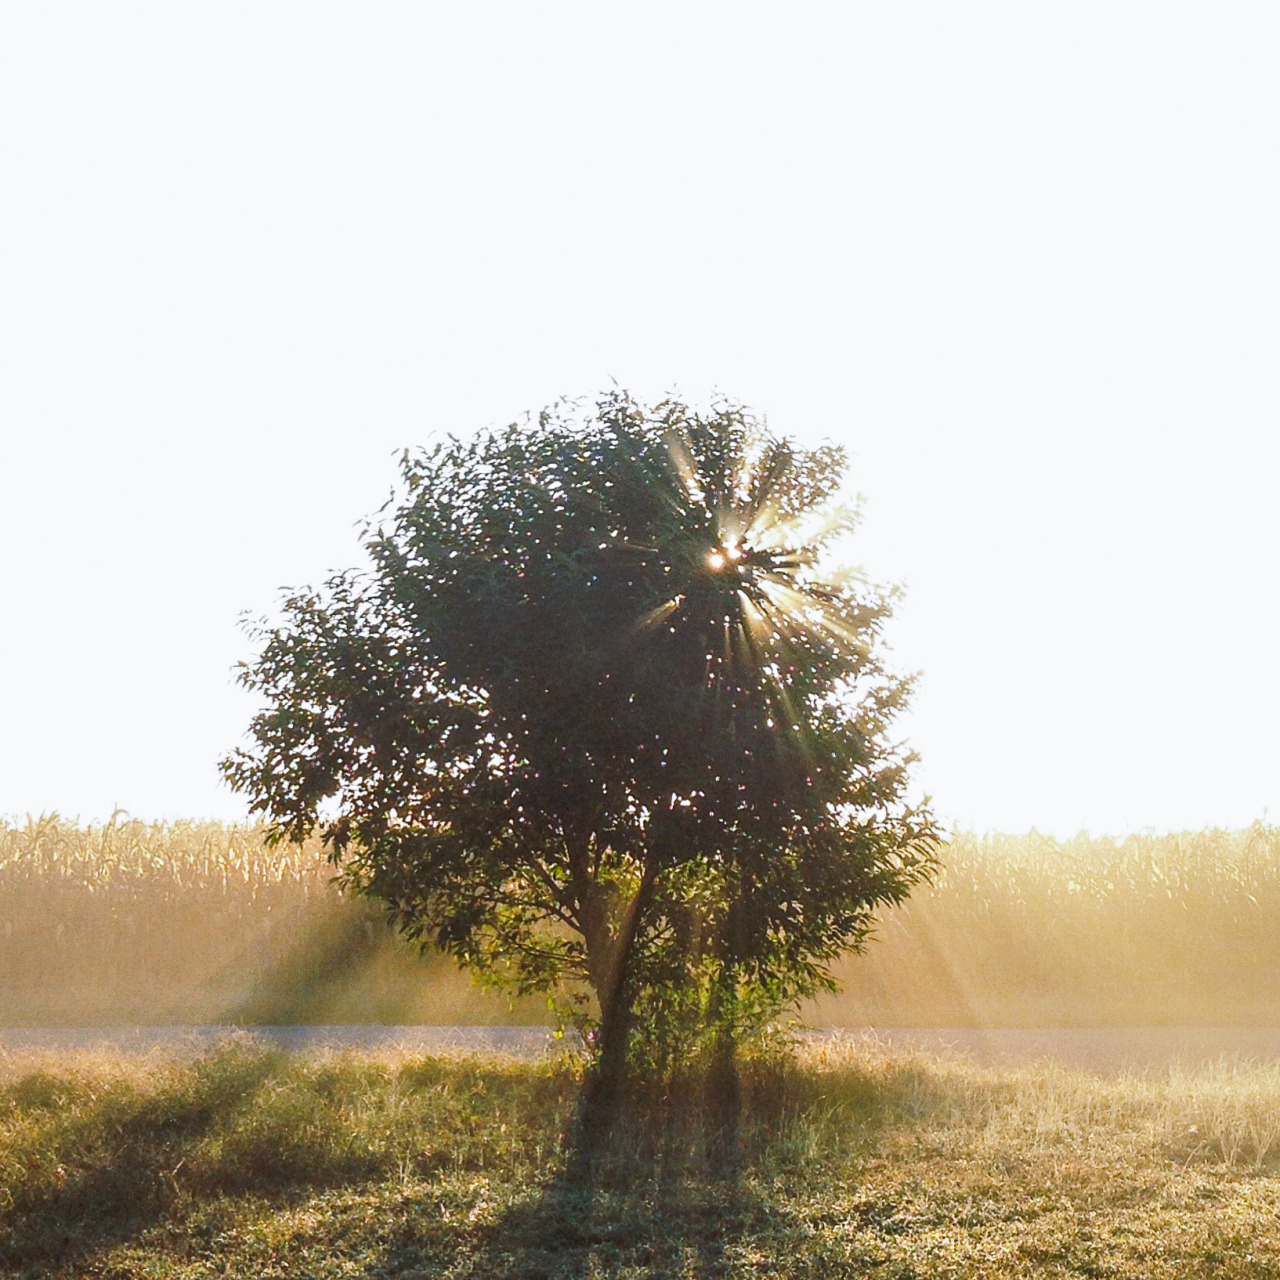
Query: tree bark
point(724, 1083)
point(599, 1106)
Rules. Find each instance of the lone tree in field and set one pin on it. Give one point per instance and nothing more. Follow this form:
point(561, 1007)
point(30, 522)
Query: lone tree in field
point(599, 714)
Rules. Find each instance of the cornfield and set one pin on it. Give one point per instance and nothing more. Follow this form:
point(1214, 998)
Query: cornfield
point(201, 922)
point(142, 923)
point(1031, 931)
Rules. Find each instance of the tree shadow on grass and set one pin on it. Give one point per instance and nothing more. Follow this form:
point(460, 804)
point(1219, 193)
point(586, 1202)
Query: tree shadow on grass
point(687, 1229)
point(657, 1199)
point(672, 1194)
point(110, 1171)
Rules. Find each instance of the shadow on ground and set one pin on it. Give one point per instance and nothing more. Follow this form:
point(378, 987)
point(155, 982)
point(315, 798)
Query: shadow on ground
point(661, 1199)
point(240, 1160)
point(112, 1173)
point(693, 1229)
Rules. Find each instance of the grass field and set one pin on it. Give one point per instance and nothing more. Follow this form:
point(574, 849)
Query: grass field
point(185, 922)
point(856, 1162)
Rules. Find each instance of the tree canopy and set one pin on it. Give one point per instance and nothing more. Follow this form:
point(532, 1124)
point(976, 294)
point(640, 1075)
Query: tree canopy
point(600, 711)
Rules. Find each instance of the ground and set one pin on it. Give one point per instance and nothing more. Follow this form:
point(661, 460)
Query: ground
point(856, 1160)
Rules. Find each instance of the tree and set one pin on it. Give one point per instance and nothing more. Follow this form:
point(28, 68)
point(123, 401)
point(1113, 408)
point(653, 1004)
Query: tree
point(599, 713)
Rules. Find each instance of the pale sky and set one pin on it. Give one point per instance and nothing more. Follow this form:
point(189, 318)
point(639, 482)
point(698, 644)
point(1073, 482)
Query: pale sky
point(1021, 259)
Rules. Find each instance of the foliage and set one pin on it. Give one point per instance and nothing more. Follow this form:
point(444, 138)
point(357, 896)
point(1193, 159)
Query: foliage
point(600, 711)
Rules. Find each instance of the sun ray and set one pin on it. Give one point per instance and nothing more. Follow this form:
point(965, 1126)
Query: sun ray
point(757, 589)
point(802, 610)
point(659, 615)
point(772, 531)
point(686, 468)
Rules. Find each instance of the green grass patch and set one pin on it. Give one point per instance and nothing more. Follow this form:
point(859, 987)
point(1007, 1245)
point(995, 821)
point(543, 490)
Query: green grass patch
point(855, 1161)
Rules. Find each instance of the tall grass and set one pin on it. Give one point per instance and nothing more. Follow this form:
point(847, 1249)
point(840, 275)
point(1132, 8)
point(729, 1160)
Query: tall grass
point(194, 922)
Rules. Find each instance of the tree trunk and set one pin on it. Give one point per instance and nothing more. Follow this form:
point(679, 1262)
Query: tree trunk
point(724, 1083)
point(599, 1106)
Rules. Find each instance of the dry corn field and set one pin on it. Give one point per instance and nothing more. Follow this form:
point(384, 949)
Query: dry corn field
point(1029, 931)
point(200, 922)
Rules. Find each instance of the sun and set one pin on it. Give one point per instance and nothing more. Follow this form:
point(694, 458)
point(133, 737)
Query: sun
point(741, 564)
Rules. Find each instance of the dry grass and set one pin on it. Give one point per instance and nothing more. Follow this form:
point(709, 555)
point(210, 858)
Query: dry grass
point(856, 1161)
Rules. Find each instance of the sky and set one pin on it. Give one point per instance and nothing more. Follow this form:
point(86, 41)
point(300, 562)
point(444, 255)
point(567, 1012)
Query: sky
point(1020, 260)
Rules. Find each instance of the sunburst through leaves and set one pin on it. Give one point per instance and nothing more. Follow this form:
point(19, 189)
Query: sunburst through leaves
point(746, 564)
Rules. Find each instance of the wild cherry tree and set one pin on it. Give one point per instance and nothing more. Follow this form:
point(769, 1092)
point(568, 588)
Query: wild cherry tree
point(600, 713)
